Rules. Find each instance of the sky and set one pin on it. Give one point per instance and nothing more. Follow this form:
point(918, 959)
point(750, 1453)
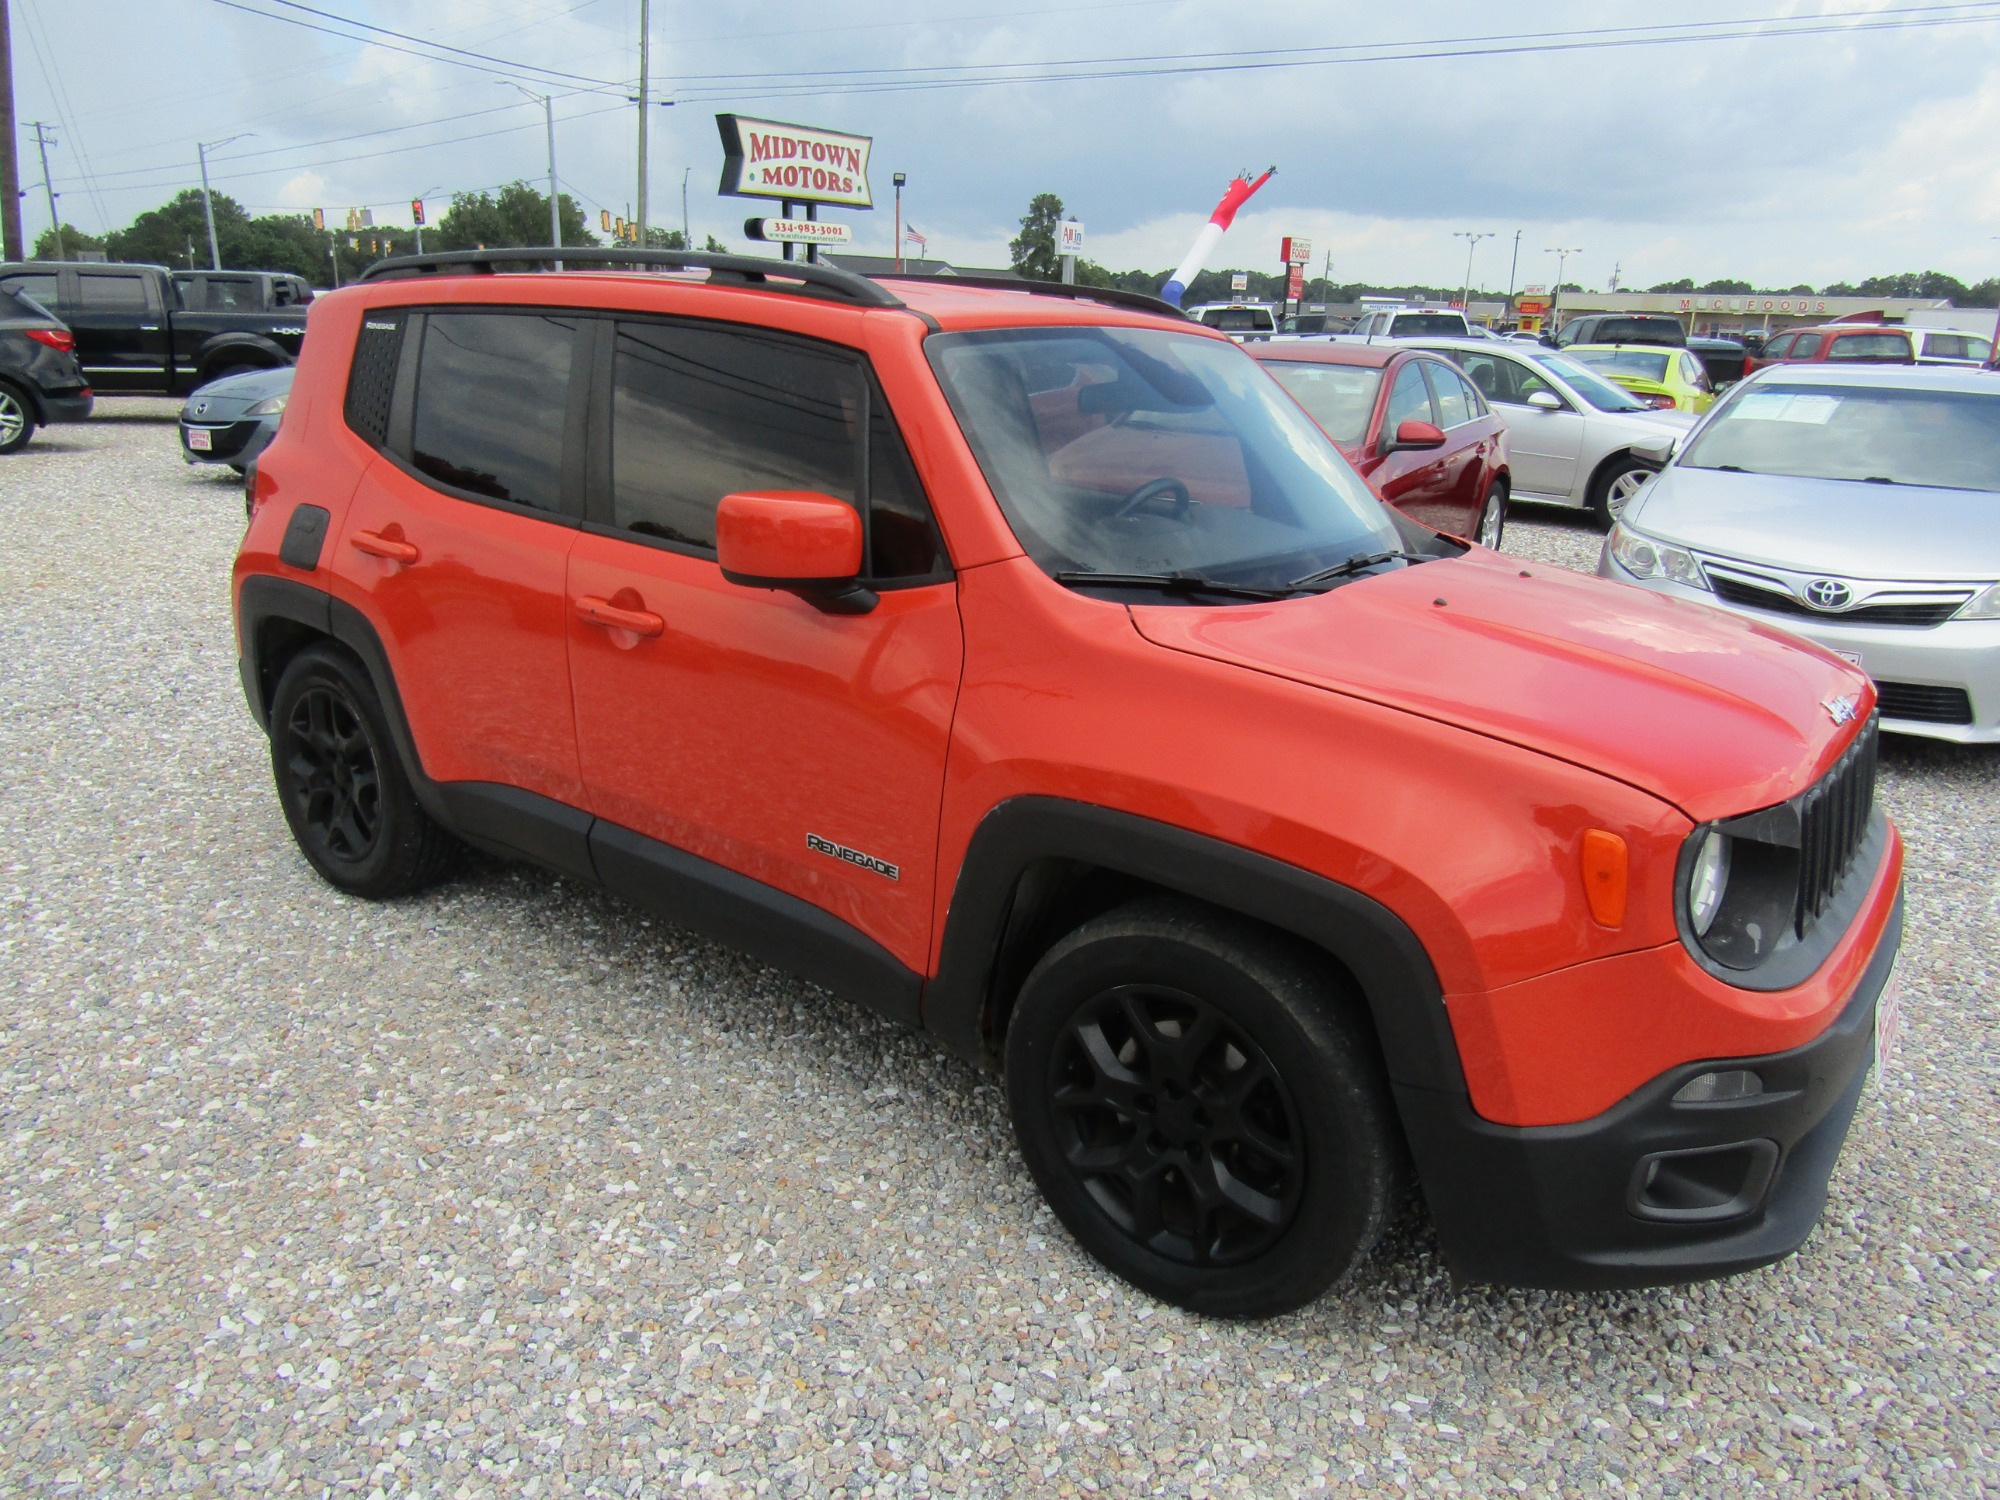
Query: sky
point(1797, 141)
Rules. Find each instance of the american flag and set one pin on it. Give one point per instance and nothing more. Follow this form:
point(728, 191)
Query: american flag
point(910, 233)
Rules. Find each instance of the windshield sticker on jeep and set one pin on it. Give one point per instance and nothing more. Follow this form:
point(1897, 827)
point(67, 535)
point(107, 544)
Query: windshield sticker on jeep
point(853, 856)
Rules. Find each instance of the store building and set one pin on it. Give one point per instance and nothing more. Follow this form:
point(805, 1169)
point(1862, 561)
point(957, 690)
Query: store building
point(1726, 313)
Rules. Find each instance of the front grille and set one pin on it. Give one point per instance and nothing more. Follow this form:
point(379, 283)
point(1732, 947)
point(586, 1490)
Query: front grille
point(1780, 601)
point(1833, 820)
point(1924, 704)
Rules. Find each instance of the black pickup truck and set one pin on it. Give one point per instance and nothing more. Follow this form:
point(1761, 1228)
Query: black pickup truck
point(145, 330)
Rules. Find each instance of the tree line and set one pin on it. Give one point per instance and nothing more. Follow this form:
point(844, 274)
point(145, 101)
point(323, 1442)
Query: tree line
point(176, 234)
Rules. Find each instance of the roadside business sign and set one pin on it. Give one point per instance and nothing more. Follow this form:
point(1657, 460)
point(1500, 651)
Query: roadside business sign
point(799, 231)
point(1295, 251)
point(1295, 283)
point(1239, 281)
point(793, 163)
point(1070, 240)
point(1530, 307)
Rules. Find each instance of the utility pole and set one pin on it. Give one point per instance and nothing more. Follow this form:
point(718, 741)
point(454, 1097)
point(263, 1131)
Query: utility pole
point(1326, 278)
point(43, 142)
point(687, 234)
point(201, 151)
point(1617, 266)
point(548, 103)
point(1514, 269)
point(1471, 244)
point(899, 179)
point(10, 167)
point(645, 71)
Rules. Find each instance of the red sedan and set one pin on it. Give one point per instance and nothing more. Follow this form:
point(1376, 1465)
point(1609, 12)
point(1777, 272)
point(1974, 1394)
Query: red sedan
point(1415, 428)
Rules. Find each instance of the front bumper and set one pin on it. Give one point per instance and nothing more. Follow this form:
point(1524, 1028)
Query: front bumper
point(1917, 669)
point(1572, 1207)
point(235, 443)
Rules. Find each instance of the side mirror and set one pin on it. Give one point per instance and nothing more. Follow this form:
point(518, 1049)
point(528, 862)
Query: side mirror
point(1414, 436)
point(1655, 450)
point(801, 541)
point(1545, 401)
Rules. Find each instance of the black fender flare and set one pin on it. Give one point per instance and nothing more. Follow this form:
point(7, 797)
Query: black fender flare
point(1389, 964)
point(254, 347)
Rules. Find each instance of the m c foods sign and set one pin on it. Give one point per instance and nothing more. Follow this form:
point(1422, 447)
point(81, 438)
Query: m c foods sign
point(770, 159)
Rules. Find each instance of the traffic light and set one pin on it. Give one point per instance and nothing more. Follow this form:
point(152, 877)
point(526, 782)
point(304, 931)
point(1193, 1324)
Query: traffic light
point(417, 212)
point(604, 219)
point(319, 218)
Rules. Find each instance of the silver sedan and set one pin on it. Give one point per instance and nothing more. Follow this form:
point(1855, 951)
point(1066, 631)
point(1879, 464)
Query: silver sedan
point(1858, 507)
point(1573, 437)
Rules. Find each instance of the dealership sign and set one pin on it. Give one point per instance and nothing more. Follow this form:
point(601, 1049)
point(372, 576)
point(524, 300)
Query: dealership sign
point(795, 163)
point(803, 231)
point(1071, 238)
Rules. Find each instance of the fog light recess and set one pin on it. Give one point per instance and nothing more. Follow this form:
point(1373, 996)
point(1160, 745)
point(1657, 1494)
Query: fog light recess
point(1724, 1087)
point(1708, 1183)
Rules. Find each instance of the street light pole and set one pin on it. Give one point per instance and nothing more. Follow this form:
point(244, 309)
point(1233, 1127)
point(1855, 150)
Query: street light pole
point(548, 104)
point(687, 234)
point(900, 179)
point(1472, 240)
point(55, 224)
point(1514, 270)
point(1562, 256)
point(420, 228)
point(645, 69)
point(201, 151)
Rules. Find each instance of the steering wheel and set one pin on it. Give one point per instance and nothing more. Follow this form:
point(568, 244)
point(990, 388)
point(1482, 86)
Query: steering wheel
point(1154, 489)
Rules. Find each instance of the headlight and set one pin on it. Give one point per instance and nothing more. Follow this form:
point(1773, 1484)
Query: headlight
point(1709, 880)
point(1740, 892)
point(1984, 605)
point(1643, 557)
point(270, 406)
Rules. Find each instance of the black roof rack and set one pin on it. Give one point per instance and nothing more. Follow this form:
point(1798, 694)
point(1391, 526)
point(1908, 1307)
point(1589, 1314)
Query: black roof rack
point(739, 270)
point(1115, 296)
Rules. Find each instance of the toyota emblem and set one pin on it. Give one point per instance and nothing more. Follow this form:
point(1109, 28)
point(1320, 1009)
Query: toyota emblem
point(1828, 593)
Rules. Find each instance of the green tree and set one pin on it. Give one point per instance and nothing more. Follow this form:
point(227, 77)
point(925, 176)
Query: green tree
point(517, 215)
point(73, 240)
point(1034, 249)
point(1685, 284)
point(175, 234)
point(1726, 288)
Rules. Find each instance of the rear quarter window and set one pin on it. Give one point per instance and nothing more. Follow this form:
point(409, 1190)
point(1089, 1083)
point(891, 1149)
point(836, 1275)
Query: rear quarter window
point(99, 292)
point(491, 400)
point(371, 379)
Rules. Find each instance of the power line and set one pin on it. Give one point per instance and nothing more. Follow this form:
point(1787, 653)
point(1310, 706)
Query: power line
point(404, 36)
point(895, 80)
point(523, 72)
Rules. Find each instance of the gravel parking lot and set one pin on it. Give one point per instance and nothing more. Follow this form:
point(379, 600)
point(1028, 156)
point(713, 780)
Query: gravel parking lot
point(507, 1191)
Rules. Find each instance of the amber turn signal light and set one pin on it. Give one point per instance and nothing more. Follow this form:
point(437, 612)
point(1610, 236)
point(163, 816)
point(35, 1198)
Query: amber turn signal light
point(1605, 871)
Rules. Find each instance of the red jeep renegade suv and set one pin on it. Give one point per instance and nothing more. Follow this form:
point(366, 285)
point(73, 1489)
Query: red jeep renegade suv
point(1026, 664)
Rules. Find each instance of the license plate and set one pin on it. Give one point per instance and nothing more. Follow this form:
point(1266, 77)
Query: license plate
point(1853, 658)
point(199, 439)
point(1888, 1024)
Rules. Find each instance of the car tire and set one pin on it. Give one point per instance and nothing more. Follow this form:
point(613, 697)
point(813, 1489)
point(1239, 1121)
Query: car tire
point(342, 786)
point(1493, 518)
point(1615, 485)
point(17, 419)
point(1203, 1107)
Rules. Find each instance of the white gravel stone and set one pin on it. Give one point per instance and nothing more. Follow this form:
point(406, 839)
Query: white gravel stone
point(509, 1191)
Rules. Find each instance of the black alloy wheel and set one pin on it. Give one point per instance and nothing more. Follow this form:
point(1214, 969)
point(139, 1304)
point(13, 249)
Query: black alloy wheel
point(1177, 1124)
point(1201, 1102)
point(352, 810)
point(333, 773)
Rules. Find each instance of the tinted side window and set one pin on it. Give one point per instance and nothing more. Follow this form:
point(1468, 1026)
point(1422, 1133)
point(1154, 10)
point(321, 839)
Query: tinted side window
point(1875, 346)
point(233, 294)
point(1946, 345)
point(1409, 401)
point(492, 390)
point(40, 285)
point(698, 413)
point(111, 293)
point(901, 532)
point(1805, 346)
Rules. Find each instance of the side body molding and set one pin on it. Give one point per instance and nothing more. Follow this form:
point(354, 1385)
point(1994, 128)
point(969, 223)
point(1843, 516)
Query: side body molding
point(1389, 964)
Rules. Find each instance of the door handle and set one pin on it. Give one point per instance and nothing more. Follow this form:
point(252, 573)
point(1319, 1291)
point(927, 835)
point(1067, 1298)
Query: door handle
point(603, 613)
point(386, 547)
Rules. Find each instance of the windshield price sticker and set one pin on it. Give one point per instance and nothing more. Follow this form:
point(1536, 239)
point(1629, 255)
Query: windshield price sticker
point(1780, 406)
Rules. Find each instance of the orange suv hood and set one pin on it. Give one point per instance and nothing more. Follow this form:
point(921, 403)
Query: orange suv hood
point(1716, 714)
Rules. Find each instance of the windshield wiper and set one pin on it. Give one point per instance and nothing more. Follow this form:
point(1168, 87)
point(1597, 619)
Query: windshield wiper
point(1880, 479)
point(1356, 564)
point(1181, 581)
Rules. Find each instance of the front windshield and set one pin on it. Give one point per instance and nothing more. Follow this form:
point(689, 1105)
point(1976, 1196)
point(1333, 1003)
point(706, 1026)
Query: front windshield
point(1140, 450)
point(1600, 393)
point(1949, 439)
point(1634, 362)
point(1341, 398)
